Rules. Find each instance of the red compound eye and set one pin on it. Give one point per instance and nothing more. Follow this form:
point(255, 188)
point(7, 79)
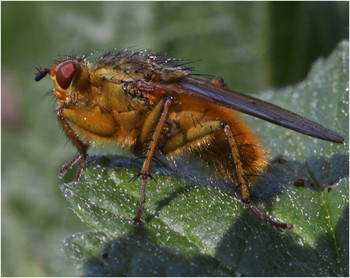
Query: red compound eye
point(65, 74)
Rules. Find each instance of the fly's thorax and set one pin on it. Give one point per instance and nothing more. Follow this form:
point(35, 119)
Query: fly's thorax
point(115, 75)
point(168, 75)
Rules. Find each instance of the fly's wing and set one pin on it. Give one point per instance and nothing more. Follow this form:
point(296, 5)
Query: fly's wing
point(257, 108)
point(249, 105)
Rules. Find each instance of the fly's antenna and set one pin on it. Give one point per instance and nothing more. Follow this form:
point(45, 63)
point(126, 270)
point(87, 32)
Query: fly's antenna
point(41, 73)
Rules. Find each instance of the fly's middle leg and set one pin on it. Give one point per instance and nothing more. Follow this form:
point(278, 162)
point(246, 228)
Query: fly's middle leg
point(162, 107)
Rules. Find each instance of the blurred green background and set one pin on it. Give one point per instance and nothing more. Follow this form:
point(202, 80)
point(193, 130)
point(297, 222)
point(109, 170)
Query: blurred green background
point(254, 46)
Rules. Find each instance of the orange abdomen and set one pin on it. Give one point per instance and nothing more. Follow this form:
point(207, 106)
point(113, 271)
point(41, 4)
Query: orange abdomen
point(194, 127)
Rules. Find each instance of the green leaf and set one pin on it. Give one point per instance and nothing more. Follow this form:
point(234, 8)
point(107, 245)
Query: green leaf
point(196, 225)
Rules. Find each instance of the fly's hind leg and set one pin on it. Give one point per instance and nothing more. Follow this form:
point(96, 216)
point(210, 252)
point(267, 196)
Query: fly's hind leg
point(243, 181)
point(210, 127)
point(80, 145)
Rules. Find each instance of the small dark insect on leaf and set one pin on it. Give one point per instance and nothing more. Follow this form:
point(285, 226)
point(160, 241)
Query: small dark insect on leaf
point(146, 102)
point(299, 182)
point(279, 160)
point(330, 186)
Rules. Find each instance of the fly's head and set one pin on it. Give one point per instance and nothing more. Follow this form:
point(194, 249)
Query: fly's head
point(71, 78)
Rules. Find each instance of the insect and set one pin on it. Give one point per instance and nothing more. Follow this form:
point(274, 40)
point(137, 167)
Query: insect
point(147, 102)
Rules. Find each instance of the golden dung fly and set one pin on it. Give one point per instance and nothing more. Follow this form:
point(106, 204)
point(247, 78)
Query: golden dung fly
point(144, 102)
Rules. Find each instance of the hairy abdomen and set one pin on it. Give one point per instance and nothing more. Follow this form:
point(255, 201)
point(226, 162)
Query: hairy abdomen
point(197, 130)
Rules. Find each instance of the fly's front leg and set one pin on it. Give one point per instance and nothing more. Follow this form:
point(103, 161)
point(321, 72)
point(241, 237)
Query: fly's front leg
point(152, 148)
point(80, 145)
point(242, 180)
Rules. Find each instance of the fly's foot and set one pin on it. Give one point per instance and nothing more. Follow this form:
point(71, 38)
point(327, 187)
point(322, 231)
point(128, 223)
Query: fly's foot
point(63, 170)
point(268, 220)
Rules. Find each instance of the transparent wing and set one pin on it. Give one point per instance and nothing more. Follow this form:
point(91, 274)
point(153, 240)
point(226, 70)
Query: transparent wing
point(249, 105)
